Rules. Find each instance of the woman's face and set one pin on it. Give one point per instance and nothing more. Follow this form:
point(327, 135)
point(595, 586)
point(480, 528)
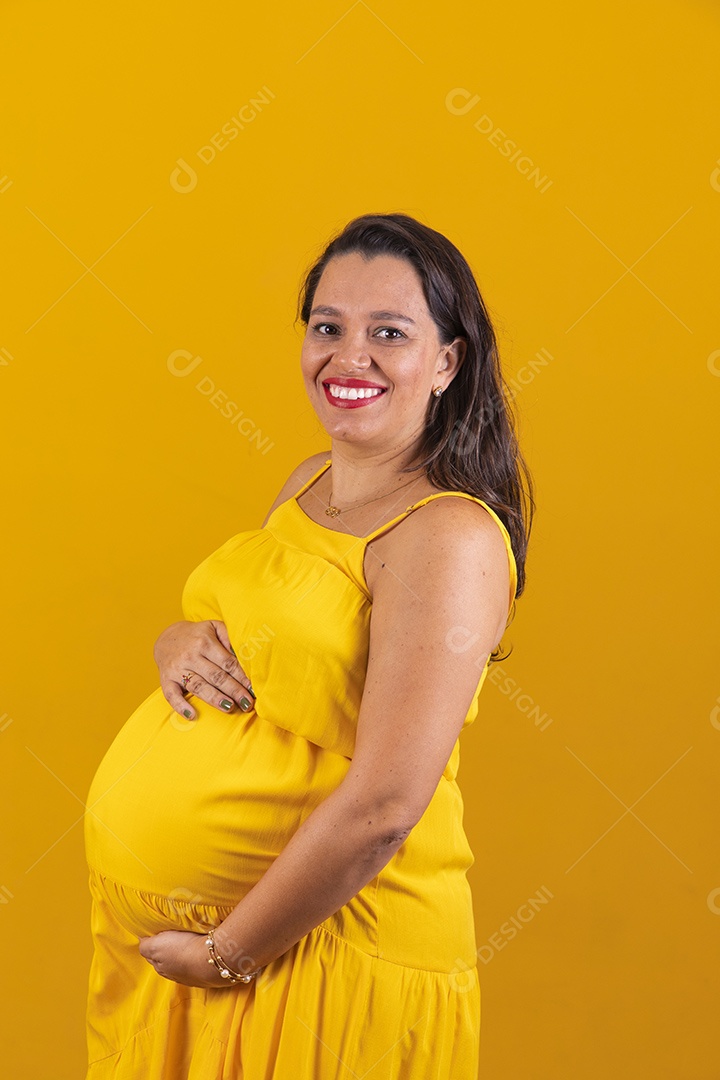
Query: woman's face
point(371, 354)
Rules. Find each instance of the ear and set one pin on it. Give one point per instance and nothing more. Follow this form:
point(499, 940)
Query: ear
point(451, 358)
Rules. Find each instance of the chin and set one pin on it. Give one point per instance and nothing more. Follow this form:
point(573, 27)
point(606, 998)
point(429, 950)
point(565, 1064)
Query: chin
point(353, 434)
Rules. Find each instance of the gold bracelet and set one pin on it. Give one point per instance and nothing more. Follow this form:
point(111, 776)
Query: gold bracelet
point(224, 969)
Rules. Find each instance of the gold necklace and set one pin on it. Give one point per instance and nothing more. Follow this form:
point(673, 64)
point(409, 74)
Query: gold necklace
point(334, 511)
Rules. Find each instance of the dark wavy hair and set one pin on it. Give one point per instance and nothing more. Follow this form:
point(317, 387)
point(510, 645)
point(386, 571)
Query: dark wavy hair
point(470, 441)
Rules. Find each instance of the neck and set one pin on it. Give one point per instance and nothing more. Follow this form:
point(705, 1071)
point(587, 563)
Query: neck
point(358, 474)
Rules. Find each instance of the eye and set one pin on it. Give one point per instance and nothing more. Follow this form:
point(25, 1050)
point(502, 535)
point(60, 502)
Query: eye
point(321, 327)
point(317, 326)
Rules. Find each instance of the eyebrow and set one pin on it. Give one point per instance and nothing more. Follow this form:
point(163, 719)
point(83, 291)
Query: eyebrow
point(324, 310)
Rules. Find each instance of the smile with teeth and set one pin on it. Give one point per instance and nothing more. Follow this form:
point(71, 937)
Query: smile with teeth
point(352, 393)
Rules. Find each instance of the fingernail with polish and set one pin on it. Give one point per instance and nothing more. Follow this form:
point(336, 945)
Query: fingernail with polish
point(187, 714)
point(226, 705)
point(245, 704)
point(249, 686)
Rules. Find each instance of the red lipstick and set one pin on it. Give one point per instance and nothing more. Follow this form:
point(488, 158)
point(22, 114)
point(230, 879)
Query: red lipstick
point(354, 384)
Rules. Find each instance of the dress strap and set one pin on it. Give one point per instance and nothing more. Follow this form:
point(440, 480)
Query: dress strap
point(312, 480)
point(458, 495)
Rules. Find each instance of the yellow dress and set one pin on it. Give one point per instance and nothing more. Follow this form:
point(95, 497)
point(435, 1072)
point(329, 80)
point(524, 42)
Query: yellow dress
point(183, 817)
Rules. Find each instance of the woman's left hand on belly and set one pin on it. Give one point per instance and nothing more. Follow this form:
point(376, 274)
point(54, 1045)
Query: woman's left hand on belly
point(181, 956)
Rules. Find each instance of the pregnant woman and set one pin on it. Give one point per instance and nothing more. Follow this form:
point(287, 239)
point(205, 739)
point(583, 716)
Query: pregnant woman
point(275, 840)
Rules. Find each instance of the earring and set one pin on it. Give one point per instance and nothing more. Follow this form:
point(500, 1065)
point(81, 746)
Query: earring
point(437, 391)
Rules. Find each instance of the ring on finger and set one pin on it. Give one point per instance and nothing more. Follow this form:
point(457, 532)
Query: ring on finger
point(185, 680)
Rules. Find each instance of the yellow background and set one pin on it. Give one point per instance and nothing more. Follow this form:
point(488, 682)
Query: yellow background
point(119, 476)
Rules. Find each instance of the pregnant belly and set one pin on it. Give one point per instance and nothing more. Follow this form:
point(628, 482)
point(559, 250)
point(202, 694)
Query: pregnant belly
point(199, 810)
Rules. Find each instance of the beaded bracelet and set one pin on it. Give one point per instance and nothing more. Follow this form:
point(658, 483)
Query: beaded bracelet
point(224, 969)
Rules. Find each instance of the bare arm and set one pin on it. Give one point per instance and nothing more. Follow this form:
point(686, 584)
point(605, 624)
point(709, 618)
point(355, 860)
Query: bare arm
point(450, 572)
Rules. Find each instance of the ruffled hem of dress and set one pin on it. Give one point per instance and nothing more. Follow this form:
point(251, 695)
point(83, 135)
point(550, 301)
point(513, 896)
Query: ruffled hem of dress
point(324, 1009)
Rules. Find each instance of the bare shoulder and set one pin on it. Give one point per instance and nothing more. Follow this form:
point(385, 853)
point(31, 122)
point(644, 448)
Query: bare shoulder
point(299, 476)
point(455, 520)
point(450, 524)
point(454, 541)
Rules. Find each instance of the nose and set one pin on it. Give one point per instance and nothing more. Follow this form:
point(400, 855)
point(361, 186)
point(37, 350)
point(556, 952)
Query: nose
point(351, 362)
point(351, 353)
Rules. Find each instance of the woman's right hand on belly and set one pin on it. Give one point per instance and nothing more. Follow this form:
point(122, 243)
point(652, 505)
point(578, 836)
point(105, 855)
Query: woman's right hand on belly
point(202, 650)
